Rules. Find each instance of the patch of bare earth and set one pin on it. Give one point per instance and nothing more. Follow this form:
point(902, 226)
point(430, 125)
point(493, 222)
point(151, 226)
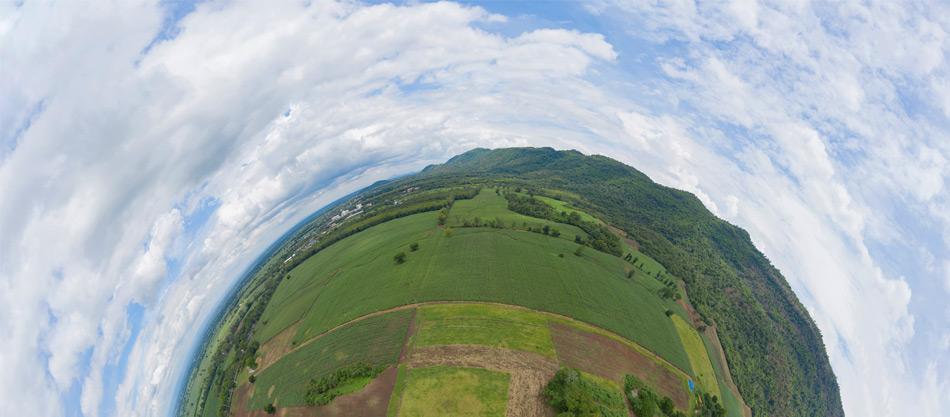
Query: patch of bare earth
point(276, 347)
point(611, 359)
point(623, 235)
point(242, 396)
point(529, 372)
point(371, 401)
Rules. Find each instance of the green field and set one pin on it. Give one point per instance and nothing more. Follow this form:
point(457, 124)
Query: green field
point(488, 205)
point(698, 356)
point(565, 207)
point(376, 341)
point(445, 391)
point(357, 276)
point(483, 324)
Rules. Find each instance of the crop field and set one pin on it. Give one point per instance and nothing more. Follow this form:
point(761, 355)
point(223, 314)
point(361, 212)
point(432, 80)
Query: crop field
point(483, 324)
point(446, 391)
point(563, 206)
point(611, 359)
point(488, 206)
point(698, 357)
point(358, 276)
point(376, 341)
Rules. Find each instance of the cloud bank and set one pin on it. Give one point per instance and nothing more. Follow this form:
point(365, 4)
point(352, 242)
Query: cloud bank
point(150, 152)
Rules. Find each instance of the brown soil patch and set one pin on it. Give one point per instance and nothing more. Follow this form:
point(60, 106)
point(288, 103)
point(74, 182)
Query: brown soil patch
point(276, 347)
point(608, 358)
point(371, 401)
point(529, 371)
point(623, 235)
point(242, 395)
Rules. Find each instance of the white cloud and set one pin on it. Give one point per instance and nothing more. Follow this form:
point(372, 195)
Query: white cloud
point(794, 131)
point(201, 116)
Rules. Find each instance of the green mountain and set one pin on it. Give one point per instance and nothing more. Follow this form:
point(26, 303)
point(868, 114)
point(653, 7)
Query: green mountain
point(518, 282)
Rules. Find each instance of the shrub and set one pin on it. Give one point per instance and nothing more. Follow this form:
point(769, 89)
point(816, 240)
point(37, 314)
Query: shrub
point(710, 407)
point(270, 409)
point(400, 257)
point(567, 394)
point(642, 399)
point(322, 391)
point(414, 246)
point(579, 251)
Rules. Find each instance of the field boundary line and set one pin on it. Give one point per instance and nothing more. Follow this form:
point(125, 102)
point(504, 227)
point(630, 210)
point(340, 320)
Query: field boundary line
point(652, 355)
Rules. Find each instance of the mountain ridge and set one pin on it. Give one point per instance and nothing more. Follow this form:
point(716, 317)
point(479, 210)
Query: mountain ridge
point(717, 260)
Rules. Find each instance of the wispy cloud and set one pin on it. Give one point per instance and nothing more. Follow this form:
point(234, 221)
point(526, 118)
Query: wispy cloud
point(157, 167)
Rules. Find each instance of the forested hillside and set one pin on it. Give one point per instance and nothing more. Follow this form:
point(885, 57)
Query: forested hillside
point(773, 347)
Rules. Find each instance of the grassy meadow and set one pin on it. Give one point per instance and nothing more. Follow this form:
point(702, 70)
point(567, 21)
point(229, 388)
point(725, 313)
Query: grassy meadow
point(488, 205)
point(698, 357)
point(483, 324)
point(447, 391)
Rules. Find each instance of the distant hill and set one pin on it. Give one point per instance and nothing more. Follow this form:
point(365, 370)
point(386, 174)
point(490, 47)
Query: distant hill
point(524, 282)
point(773, 346)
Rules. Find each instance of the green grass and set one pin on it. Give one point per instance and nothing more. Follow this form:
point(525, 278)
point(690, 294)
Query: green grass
point(357, 276)
point(488, 206)
point(563, 206)
point(728, 398)
point(376, 341)
point(607, 394)
point(698, 357)
point(444, 391)
point(392, 410)
point(483, 324)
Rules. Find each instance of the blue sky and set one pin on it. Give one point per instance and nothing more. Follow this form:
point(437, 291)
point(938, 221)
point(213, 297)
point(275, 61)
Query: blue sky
point(151, 151)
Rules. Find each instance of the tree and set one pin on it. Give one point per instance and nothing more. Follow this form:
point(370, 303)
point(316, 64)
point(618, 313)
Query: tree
point(666, 406)
point(546, 229)
point(400, 257)
point(630, 274)
point(414, 246)
point(568, 395)
point(669, 313)
point(577, 239)
point(251, 379)
point(270, 409)
point(579, 251)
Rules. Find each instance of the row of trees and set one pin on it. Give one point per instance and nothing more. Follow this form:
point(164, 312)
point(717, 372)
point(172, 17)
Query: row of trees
point(598, 237)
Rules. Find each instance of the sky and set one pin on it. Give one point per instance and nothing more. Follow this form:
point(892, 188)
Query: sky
point(151, 151)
